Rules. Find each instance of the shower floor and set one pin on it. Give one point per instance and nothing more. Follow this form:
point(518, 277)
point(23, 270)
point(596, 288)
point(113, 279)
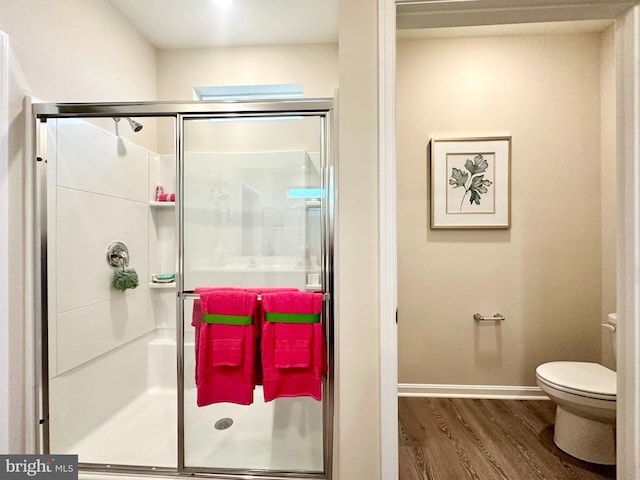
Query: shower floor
point(282, 435)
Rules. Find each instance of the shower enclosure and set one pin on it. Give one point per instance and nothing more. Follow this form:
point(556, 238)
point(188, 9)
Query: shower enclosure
point(196, 194)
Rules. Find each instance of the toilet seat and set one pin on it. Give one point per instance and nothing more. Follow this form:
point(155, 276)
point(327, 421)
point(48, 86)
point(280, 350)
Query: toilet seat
point(585, 379)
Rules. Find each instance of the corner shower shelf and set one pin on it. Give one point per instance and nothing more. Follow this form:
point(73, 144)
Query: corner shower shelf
point(153, 203)
point(162, 285)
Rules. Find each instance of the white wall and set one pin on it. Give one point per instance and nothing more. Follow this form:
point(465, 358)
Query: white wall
point(77, 50)
point(545, 273)
point(89, 53)
point(315, 67)
point(71, 50)
point(357, 452)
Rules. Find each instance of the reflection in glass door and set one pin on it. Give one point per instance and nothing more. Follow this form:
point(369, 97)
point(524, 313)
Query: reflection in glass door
point(251, 207)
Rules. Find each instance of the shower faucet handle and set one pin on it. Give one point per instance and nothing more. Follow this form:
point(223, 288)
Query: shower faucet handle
point(118, 254)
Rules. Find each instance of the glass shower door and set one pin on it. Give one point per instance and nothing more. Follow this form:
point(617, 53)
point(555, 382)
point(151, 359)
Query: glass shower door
point(251, 206)
point(111, 376)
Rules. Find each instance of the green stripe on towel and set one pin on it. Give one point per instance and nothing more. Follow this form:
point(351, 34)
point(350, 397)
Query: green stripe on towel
point(227, 319)
point(293, 317)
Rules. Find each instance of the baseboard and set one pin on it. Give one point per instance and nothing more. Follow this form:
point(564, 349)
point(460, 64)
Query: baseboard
point(470, 391)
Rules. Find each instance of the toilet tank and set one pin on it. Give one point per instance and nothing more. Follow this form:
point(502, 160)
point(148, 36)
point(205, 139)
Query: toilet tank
point(609, 348)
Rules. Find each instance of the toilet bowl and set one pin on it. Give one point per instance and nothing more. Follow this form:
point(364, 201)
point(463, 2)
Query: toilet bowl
point(585, 394)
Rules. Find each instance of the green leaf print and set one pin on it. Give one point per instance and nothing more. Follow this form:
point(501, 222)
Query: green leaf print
point(477, 183)
point(479, 165)
point(458, 178)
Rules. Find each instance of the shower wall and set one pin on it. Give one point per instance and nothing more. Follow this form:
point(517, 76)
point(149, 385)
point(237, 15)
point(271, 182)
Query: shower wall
point(98, 192)
point(162, 241)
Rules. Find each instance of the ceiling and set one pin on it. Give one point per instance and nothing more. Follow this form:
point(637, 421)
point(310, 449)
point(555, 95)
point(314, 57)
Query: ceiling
point(210, 23)
point(174, 24)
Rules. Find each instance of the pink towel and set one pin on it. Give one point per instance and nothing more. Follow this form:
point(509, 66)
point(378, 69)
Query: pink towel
point(166, 197)
point(294, 355)
point(227, 345)
point(258, 326)
point(260, 291)
point(224, 353)
point(292, 345)
point(196, 316)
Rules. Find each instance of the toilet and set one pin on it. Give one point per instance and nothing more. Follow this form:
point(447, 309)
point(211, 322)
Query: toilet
point(585, 394)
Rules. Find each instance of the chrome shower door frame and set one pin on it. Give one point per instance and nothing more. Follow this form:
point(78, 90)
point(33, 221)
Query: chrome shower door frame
point(179, 111)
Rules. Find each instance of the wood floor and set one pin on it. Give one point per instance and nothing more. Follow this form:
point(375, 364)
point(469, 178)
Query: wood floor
point(458, 439)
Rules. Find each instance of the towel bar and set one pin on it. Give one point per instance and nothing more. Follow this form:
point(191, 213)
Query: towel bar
point(192, 294)
point(479, 318)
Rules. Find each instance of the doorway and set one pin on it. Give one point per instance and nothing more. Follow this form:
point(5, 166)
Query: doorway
point(456, 13)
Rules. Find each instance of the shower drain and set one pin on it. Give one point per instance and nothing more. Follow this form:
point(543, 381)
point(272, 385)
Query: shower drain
point(223, 424)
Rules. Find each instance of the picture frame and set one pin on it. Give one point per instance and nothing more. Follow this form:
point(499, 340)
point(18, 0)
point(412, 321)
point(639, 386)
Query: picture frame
point(470, 182)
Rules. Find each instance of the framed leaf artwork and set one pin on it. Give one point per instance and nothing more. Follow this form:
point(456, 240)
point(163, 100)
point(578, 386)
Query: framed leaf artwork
point(471, 182)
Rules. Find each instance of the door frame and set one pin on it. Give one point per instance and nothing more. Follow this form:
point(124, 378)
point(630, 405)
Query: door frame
point(628, 194)
point(4, 235)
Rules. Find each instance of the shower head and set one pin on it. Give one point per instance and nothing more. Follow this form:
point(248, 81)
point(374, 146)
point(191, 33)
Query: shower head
point(135, 126)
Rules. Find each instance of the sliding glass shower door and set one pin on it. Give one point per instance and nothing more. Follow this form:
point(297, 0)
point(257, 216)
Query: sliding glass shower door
point(110, 368)
point(222, 195)
point(253, 190)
